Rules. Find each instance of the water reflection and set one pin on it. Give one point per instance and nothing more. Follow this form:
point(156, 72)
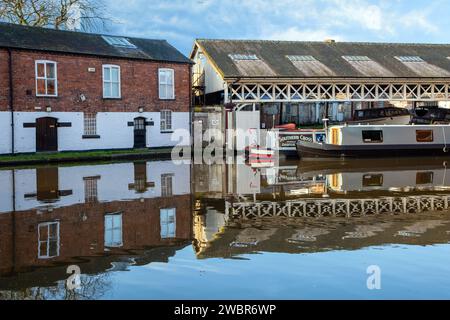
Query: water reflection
point(126, 223)
point(100, 217)
point(313, 207)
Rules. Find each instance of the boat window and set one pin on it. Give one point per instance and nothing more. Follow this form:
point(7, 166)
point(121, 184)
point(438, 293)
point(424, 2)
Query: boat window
point(424, 178)
point(424, 136)
point(373, 180)
point(334, 136)
point(373, 136)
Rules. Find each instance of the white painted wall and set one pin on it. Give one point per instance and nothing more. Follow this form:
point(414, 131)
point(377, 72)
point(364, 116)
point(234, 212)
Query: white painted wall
point(5, 132)
point(213, 80)
point(247, 128)
point(6, 194)
point(248, 181)
point(113, 184)
point(111, 126)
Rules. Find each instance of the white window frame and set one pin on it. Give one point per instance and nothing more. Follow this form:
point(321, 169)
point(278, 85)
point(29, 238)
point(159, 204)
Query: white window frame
point(168, 212)
point(160, 84)
point(90, 124)
point(112, 216)
point(47, 225)
point(45, 78)
point(91, 189)
point(111, 82)
point(167, 185)
point(163, 121)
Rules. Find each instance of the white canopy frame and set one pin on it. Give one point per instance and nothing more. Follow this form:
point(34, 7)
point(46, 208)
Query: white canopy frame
point(243, 92)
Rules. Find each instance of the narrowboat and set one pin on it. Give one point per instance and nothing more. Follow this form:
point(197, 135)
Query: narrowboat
point(380, 116)
point(430, 115)
point(371, 141)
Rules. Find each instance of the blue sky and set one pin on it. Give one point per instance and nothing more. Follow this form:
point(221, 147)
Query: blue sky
point(181, 21)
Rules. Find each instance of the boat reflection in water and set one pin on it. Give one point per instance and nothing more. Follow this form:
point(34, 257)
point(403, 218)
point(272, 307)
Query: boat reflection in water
point(156, 230)
point(101, 218)
point(305, 207)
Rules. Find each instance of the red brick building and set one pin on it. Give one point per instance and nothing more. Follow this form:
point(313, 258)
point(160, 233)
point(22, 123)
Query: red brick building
point(96, 217)
point(62, 90)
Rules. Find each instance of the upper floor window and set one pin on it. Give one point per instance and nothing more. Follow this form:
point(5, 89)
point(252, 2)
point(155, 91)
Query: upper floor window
point(111, 82)
point(48, 240)
point(168, 220)
point(113, 230)
point(46, 79)
point(166, 84)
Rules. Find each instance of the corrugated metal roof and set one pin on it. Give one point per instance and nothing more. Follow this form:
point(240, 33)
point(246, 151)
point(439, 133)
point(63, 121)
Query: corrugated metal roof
point(254, 68)
point(43, 39)
point(330, 61)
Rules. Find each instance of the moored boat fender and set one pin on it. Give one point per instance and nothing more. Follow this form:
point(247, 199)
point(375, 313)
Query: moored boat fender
point(258, 153)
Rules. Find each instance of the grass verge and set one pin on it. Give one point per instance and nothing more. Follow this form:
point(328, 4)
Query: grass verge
point(83, 156)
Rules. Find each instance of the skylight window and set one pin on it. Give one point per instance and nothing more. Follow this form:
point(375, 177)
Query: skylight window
point(301, 58)
point(244, 57)
point(119, 42)
point(356, 58)
point(409, 59)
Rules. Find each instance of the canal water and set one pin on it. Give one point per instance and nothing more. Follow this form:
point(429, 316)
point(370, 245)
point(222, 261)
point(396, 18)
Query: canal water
point(156, 230)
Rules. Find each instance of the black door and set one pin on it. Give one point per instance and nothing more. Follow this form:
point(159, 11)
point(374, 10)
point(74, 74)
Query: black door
point(46, 134)
point(140, 133)
point(47, 181)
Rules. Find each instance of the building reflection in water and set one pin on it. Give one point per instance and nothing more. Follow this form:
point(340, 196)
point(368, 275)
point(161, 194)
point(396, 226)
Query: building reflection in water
point(100, 217)
point(322, 206)
point(108, 217)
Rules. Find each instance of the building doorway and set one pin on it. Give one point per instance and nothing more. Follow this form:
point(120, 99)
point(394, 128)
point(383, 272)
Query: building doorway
point(140, 133)
point(46, 134)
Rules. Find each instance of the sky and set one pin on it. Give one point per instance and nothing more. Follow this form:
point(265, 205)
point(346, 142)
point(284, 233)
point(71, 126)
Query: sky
point(182, 21)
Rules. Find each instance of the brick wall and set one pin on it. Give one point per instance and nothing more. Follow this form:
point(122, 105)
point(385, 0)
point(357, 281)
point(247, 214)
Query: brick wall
point(4, 80)
point(139, 84)
point(85, 237)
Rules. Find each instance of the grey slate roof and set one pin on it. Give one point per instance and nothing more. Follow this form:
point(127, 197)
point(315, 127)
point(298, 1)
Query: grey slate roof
point(42, 39)
point(330, 62)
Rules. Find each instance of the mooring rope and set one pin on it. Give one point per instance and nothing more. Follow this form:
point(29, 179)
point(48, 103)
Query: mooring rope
point(445, 141)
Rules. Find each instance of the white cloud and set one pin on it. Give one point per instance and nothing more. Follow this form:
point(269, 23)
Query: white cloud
point(356, 12)
point(295, 34)
point(181, 21)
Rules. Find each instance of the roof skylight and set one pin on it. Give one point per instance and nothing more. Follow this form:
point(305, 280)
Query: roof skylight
point(356, 58)
point(119, 42)
point(409, 59)
point(241, 57)
point(301, 58)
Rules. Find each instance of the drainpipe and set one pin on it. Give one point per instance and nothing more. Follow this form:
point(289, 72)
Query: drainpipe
point(11, 100)
point(14, 237)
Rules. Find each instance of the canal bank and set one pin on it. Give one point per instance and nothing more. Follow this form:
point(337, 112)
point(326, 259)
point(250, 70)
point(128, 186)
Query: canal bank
point(84, 156)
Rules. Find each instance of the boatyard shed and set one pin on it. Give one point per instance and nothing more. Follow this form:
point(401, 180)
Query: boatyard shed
point(303, 82)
